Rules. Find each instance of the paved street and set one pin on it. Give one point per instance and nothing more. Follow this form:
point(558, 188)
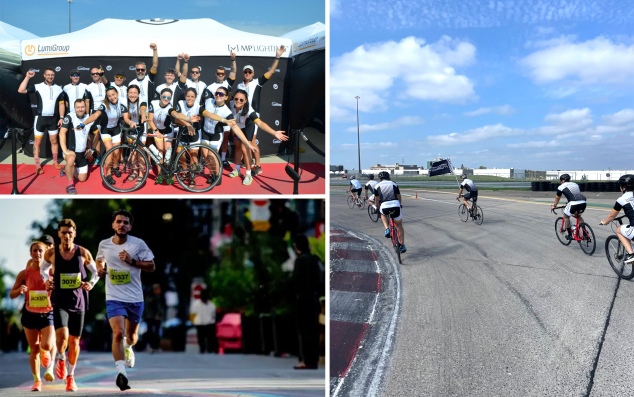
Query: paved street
point(173, 374)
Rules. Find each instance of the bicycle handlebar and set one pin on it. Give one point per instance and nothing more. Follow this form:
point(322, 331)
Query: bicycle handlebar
point(556, 208)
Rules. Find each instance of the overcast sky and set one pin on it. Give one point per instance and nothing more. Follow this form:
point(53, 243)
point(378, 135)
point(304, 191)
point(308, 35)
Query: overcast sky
point(525, 84)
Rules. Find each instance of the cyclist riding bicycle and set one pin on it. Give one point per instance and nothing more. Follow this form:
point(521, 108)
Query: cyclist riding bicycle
point(625, 233)
point(472, 193)
point(576, 201)
point(388, 198)
point(355, 186)
point(369, 185)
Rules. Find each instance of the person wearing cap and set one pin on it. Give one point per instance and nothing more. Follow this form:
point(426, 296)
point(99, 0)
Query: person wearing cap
point(145, 81)
point(253, 86)
point(74, 90)
point(119, 80)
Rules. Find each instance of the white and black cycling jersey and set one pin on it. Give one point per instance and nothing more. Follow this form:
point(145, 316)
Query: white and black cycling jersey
point(211, 128)
point(162, 117)
point(76, 138)
point(369, 185)
point(146, 87)
point(113, 112)
point(96, 94)
point(387, 192)
point(468, 185)
point(571, 191)
point(74, 92)
point(177, 88)
point(134, 110)
point(199, 86)
point(48, 98)
point(626, 203)
point(253, 89)
point(181, 107)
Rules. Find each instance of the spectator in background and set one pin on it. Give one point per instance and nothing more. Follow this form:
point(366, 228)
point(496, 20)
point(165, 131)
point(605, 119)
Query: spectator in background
point(154, 315)
point(203, 312)
point(307, 280)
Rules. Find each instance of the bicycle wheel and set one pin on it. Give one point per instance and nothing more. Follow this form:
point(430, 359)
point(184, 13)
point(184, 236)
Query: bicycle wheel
point(199, 168)
point(587, 243)
point(360, 203)
point(124, 168)
point(351, 202)
point(479, 218)
point(373, 214)
point(463, 213)
point(561, 231)
point(395, 240)
point(615, 251)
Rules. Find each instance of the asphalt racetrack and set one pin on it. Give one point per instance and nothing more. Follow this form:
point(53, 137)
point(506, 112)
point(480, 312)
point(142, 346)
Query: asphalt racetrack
point(500, 309)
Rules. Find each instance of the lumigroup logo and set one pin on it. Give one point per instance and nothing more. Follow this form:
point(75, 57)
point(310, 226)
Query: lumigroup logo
point(29, 49)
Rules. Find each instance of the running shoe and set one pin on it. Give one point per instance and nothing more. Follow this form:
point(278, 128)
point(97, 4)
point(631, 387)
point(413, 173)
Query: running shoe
point(234, 174)
point(225, 164)
point(70, 383)
point(70, 189)
point(629, 258)
point(45, 358)
point(247, 180)
point(122, 382)
point(39, 170)
point(387, 233)
point(129, 357)
point(48, 375)
point(60, 369)
point(37, 386)
point(57, 166)
point(403, 249)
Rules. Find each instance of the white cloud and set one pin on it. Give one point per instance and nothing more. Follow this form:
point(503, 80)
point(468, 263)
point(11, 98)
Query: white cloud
point(335, 8)
point(388, 125)
point(624, 116)
point(572, 117)
point(475, 135)
point(596, 61)
point(502, 110)
point(408, 69)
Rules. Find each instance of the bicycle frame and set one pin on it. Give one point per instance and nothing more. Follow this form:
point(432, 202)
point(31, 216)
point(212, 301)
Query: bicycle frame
point(575, 233)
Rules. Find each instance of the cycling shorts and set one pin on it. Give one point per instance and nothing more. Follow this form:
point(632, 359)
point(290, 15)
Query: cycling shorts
point(397, 214)
point(575, 206)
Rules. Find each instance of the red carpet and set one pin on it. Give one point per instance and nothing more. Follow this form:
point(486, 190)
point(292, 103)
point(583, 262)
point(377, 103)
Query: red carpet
point(273, 181)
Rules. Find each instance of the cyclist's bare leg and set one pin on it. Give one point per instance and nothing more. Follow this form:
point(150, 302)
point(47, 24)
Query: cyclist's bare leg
point(384, 220)
point(401, 231)
point(466, 202)
point(627, 243)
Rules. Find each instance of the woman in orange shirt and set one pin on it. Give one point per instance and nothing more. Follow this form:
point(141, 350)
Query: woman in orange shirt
point(37, 316)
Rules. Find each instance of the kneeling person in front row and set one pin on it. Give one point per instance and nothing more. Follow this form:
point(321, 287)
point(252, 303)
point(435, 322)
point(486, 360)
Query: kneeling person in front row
point(73, 139)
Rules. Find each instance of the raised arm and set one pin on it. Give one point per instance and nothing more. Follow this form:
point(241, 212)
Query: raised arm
point(234, 66)
point(278, 54)
point(154, 67)
point(183, 76)
point(22, 89)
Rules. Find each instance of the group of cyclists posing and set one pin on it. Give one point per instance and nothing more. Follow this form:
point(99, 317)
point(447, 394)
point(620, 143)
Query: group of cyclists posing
point(86, 115)
point(56, 285)
point(385, 196)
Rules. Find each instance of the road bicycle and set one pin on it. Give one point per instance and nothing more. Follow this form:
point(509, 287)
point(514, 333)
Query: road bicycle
point(465, 213)
point(581, 233)
point(373, 213)
point(616, 253)
point(394, 235)
point(197, 166)
point(355, 201)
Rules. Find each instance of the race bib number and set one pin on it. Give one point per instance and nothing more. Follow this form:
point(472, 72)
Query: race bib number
point(70, 280)
point(38, 299)
point(119, 276)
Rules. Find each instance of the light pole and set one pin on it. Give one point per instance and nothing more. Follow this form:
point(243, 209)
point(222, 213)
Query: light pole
point(358, 138)
point(69, 3)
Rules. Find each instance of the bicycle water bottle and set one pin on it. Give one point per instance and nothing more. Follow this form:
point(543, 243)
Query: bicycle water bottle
point(573, 229)
point(168, 155)
point(157, 155)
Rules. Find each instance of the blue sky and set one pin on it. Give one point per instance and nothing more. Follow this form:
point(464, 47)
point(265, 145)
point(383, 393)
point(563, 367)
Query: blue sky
point(526, 84)
point(50, 17)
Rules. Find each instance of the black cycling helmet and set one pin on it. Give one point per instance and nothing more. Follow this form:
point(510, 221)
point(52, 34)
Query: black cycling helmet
point(371, 176)
point(463, 176)
point(564, 177)
point(384, 175)
point(627, 181)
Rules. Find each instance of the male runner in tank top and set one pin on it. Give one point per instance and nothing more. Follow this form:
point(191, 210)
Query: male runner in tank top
point(70, 265)
point(122, 258)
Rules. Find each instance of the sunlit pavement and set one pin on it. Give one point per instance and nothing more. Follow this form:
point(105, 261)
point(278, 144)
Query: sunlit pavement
point(173, 374)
